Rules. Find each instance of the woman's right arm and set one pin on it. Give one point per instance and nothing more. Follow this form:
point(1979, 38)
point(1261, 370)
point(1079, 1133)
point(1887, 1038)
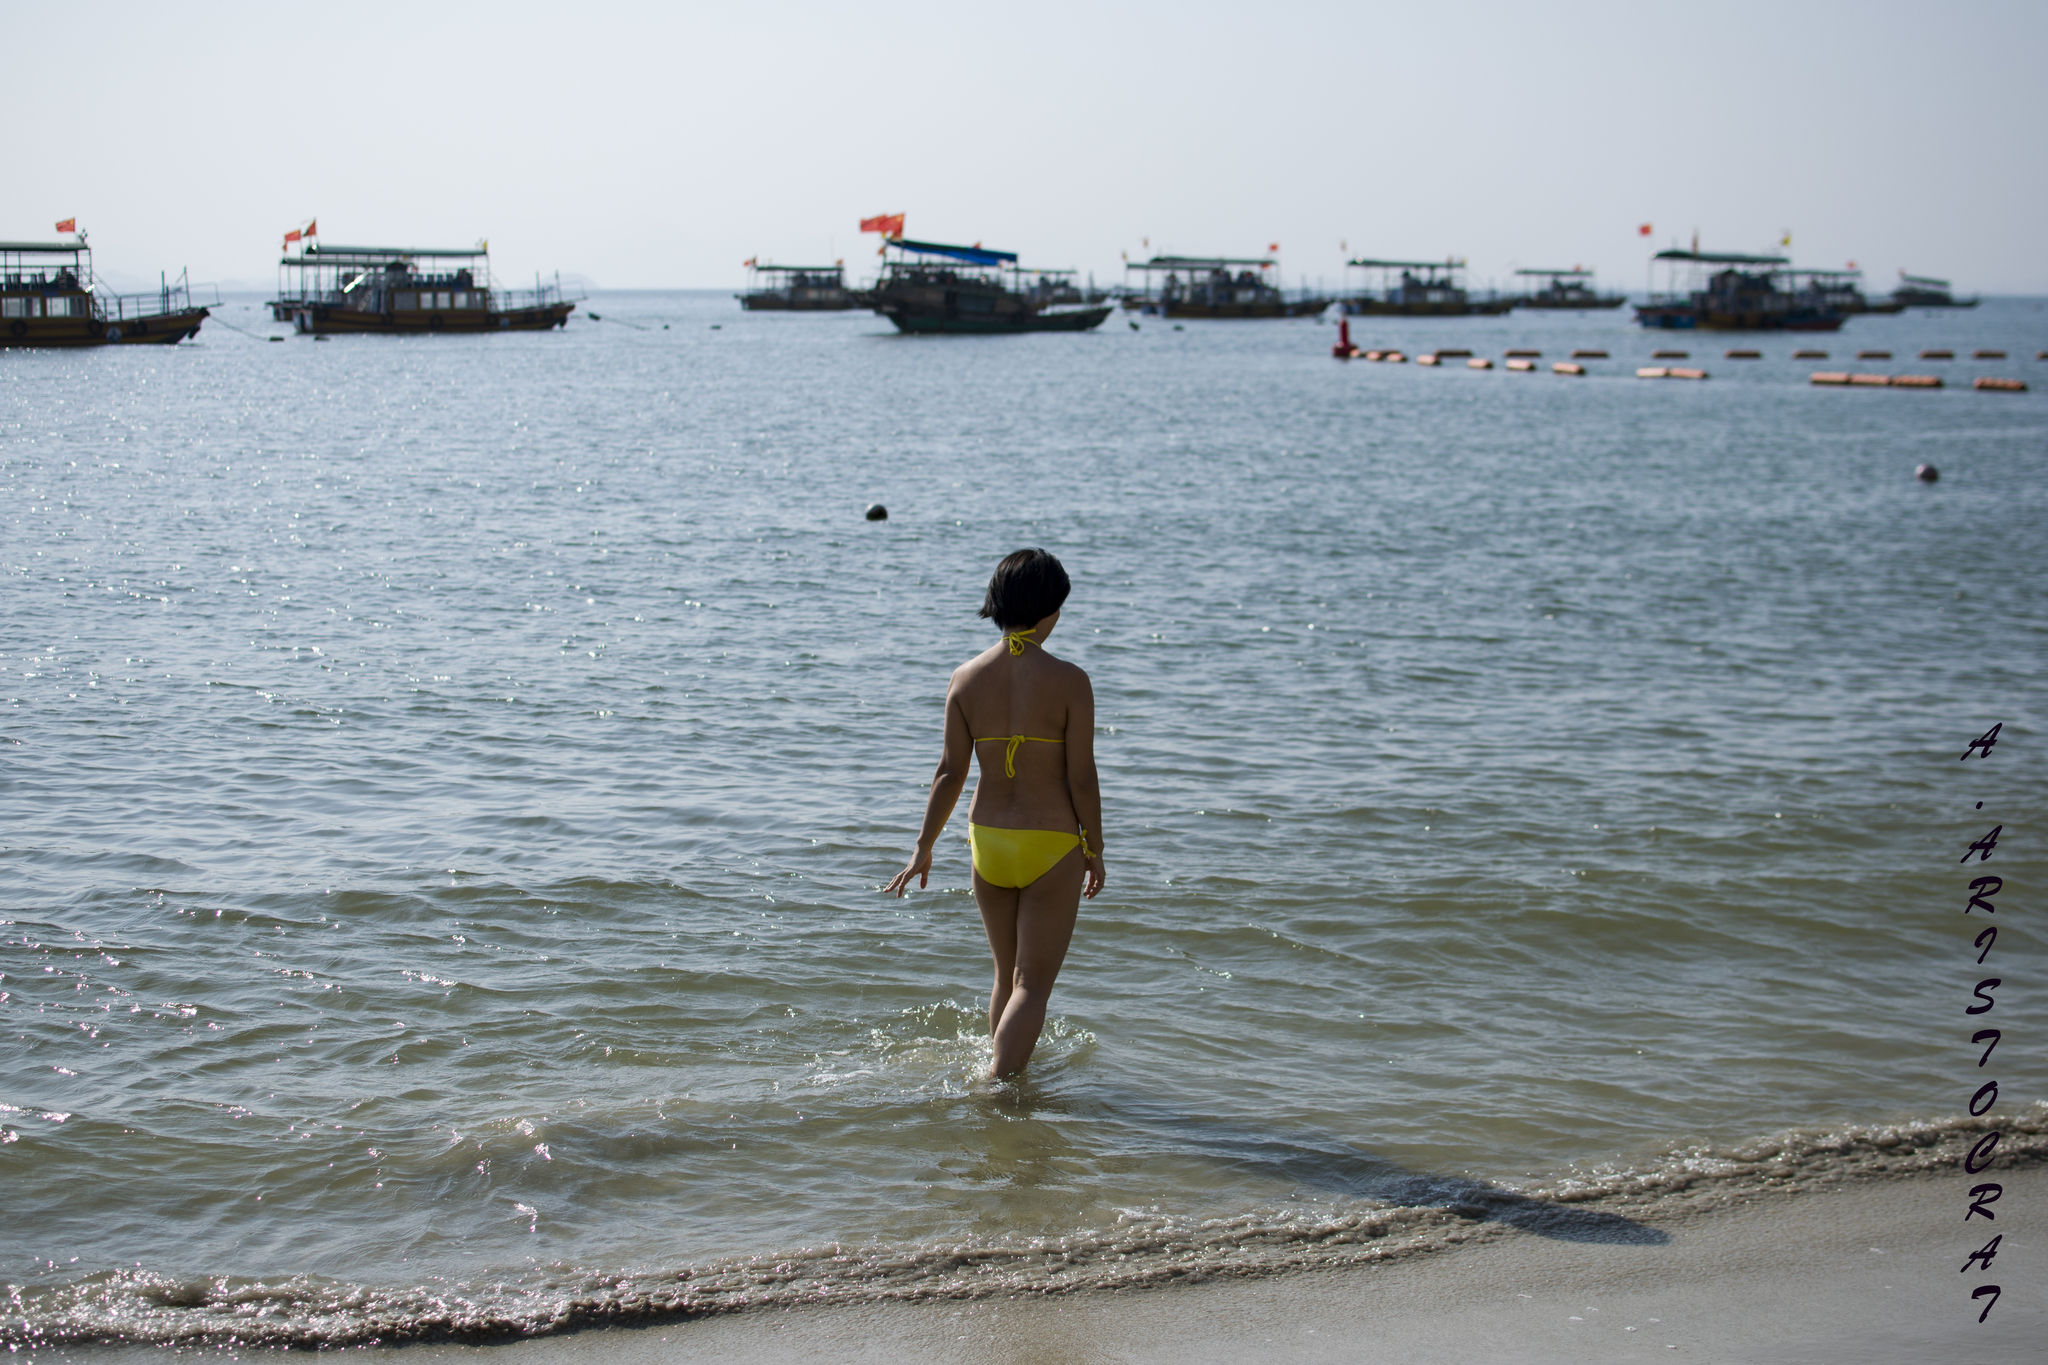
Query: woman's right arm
point(955, 756)
point(1083, 786)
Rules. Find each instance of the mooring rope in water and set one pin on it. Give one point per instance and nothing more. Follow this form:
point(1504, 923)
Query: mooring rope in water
point(599, 317)
point(254, 336)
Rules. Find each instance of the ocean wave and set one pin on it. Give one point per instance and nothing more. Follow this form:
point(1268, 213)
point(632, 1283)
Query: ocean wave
point(1141, 1249)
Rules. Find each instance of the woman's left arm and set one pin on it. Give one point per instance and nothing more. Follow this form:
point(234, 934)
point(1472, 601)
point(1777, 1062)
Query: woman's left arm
point(955, 756)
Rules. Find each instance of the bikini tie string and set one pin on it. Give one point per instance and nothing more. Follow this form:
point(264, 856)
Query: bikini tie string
point(1018, 637)
point(1010, 749)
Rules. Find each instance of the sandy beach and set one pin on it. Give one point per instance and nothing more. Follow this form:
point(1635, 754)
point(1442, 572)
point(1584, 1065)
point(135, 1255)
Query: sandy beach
point(1862, 1272)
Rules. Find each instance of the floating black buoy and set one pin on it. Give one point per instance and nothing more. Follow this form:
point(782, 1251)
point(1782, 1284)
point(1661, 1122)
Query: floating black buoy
point(1927, 473)
point(277, 338)
point(595, 317)
point(877, 512)
point(1134, 327)
point(1178, 328)
point(717, 326)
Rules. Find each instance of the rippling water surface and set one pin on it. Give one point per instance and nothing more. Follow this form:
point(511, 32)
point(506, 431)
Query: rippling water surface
point(445, 782)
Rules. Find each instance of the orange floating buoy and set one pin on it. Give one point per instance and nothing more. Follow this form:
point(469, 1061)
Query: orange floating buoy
point(1520, 365)
point(1427, 360)
point(1479, 363)
point(1653, 372)
point(1809, 355)
point(1873, 355)
point(2041, 355)
point(1916, 381)
point(1679, 372)
point(1566, 367)
point(1828, 377)
point(1589, 355)
point(1875, 381)
point(1375, 355)
point(1991, 385)
point(1671, 355)
point(1743, 355)
point(1937, 355)
point(1987, 355)
point(1343, 350)
point(1531, 354)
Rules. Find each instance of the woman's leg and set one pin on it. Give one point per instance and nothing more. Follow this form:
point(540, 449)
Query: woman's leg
point(1042, 925)
point(998, 905)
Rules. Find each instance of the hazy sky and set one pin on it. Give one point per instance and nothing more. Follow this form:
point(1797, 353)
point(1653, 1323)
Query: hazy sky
point(660, 145)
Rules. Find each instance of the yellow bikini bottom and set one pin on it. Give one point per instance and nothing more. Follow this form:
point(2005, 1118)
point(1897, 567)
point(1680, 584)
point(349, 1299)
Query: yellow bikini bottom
point(1018, 857)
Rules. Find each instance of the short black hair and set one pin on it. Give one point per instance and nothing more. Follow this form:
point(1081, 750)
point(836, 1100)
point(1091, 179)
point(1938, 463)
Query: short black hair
point(1027, 587)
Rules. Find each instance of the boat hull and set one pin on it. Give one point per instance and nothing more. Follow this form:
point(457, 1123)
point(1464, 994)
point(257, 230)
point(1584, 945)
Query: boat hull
point(922, 322)
point(1273, 308)
point(1381, 308)
point(155, 329)
point(322, 320)
point(1574, 305)
point(1684, 318)
point(842, 301)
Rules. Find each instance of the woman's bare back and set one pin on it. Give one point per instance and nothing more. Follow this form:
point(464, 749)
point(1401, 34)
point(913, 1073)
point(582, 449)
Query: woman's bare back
point(997, 696)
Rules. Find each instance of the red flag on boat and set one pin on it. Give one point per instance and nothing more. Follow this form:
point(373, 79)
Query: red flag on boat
point(890, 225)
point(291, 236)
point(1643, 231)
point(313, 228)
point(1272, 246)
point(68, 225)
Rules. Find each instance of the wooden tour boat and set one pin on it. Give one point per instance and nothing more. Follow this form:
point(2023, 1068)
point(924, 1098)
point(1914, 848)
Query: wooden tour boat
point(328, 289)
point(48, 298)
point(1567, 289)
point(1843, 290)
point(799, 289)
point(1923, 291)
point(1730, 292)
point(1214, 287)
point(931, 287)
point(1425, 289)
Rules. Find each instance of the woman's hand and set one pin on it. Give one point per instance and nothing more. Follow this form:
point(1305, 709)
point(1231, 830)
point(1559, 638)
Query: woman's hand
point(1097, 874)
point(919, 867)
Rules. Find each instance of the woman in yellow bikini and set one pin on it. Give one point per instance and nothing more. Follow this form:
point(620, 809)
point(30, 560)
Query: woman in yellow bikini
point(1036, 819)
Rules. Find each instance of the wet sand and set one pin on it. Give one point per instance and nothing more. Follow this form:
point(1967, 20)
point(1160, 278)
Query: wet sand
point(1866, 1272)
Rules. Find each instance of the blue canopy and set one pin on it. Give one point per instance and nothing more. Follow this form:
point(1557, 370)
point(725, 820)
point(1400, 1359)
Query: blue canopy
point(973, 255)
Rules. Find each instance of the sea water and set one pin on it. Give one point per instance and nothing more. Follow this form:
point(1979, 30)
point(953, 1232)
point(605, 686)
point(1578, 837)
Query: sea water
point(446, 784)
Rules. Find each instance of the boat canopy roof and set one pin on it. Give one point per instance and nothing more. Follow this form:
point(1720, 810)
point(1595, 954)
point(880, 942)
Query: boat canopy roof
point(973, 255)
point(1927, 280)
point(44, 248)
point(1408, 265)
point(1720, 258)
point(363, 255)
point(1830, 274)
point(1574, 272)
point(799, 269)
point(1201, 262)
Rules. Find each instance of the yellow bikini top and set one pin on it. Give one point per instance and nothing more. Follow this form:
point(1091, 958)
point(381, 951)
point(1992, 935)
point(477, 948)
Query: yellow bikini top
point(1017, 639)
point(1010, 750)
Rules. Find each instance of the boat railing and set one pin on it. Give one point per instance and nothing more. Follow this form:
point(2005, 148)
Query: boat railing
point(544, 294)
point(165, 298)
